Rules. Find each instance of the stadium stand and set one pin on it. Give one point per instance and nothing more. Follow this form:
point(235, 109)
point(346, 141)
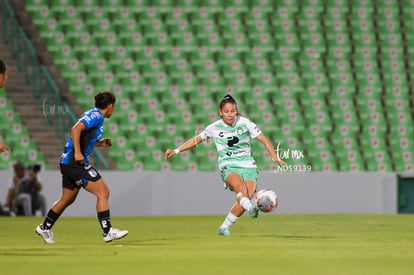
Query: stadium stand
point(15, 135)
point(329, 78)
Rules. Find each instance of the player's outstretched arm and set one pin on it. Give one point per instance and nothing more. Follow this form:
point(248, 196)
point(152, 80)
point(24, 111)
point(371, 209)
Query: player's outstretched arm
point(189, 144)
point(269, 147)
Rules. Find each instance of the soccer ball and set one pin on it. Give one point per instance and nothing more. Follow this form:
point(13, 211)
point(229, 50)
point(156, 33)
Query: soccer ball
point(266, 200)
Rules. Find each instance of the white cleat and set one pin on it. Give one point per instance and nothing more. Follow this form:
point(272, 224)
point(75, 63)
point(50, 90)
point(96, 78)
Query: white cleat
point(46, 234)
point(114, 234)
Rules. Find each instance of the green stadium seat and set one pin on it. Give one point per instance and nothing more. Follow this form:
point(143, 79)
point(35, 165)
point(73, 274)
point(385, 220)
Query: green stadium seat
point(366, 66)
point(200, 55)
point(262, 8)
point(122, 14)
point(56, 42)
point(238, 82)
point(372, 144)
point(286, 9)
point(203, 165)
point(203, 27)
point(399, 118)
point(48, 28)
point(131, 82)
point(404, 165)
point(171, 57)
point(179, 26)
point(81, 44)
point(311, 31)
point(239, 6)
point(353, 162)
point(72, 70)
point(396, 106)
point(185, 161)
point(393, 42)
point(338, 68)
point(290, 41)
point(126, 27)
point(179, 68)
point(313, 74)
point(385, 165)
point(365, 38)
point(36, 5)
point(368, 105)
point(401, 148)
point(314, 144)
point(290, 54)
point(87, 6)
point(74, 28)
point(319, 122)
point(150, 164)
point(125, 164)
point(238, 40)
point(204, 11)
point(366, 53)
point(42, 15)
point(256, 23)
point(230, 26)
point(324, 161)
point(345, 117)
point(174, 15)
point(336, 10)
point(188, 42)
point(149, 14)
point(390, 66)
point(283, 26)
point(346, 148)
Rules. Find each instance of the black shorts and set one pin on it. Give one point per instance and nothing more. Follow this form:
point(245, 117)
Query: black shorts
point(78, 175)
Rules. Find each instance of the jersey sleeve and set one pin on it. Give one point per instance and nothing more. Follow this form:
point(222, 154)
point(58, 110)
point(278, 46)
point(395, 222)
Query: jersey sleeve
point(254, 130)
point(91, 119)
point(207, 133)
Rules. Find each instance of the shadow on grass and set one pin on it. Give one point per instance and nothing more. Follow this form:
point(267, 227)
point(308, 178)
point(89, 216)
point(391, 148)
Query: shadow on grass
point(39, 252)
point(300, 237)
point(155, 242)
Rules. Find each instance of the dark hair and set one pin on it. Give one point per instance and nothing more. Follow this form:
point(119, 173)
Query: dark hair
point(18, 166)
point(3, 67)
point(103, 99)
point(227, 99)
point(35, 168)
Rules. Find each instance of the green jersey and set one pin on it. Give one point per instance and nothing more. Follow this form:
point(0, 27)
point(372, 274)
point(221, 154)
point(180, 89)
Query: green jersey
point(233, 141)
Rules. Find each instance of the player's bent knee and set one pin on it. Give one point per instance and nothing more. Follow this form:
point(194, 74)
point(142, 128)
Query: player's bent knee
point(239, 196)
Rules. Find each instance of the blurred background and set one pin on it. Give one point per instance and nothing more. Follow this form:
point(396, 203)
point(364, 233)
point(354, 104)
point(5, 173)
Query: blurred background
point(329, 78)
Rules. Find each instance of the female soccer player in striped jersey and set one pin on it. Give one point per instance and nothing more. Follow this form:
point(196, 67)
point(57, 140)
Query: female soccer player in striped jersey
point(231, 135)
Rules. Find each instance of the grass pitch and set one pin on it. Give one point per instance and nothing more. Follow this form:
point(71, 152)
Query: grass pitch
point(272, 244)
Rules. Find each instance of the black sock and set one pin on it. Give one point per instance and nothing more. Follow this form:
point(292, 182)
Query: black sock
point(50, 219)
point(105, 220)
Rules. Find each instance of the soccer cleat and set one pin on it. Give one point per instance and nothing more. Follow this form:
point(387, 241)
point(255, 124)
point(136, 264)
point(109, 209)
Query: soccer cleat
point(253, 212)
point(222, 231)
point(46, 234)
point(114, 234)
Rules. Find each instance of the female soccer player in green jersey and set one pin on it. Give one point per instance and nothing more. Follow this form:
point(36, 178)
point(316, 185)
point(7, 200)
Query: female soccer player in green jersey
point(231, 135)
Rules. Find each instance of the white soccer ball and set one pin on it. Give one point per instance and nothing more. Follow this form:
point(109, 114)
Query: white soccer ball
point(266, 200)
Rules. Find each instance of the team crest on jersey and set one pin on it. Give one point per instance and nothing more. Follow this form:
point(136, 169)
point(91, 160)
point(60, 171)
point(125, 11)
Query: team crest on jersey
point(239, 131)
